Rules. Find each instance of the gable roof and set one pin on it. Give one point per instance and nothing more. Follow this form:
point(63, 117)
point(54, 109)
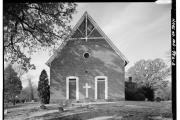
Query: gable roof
point(84, 29)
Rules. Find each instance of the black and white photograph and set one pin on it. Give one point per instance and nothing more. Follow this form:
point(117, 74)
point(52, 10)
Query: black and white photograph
point(89, 61)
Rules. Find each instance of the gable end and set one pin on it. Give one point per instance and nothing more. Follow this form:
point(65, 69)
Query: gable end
point(87, 28)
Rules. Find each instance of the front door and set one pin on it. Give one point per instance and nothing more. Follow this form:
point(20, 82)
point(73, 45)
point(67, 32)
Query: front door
point(100, 89)
point(72, 88)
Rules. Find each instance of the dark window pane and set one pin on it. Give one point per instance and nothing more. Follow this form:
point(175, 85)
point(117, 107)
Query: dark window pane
point(95, 33)
point(72, 80)
point(82, 27)
point(77, 34)
point(89, 26)
point(101, 79)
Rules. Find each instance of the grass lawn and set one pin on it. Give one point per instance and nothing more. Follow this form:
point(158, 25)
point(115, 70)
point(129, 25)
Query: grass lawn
point(123, 110)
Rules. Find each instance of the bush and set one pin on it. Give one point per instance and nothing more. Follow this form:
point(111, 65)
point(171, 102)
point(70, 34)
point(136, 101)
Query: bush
point(139, 97)
point(135, 94)
point(129, 94)
point(158, 99)
point(44, 88)
point(148, 92)
point(139, 94)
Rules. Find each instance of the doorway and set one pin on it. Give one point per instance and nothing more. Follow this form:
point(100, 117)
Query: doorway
point(72, 87)
point(101, 87)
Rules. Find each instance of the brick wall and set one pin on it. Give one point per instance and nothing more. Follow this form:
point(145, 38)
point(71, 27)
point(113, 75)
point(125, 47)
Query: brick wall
point(102, 61)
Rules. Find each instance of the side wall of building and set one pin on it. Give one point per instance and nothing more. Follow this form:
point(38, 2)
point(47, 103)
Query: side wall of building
point(102, 61)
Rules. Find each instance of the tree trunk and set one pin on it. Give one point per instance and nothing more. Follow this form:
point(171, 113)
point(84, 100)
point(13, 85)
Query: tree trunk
point(14, 100)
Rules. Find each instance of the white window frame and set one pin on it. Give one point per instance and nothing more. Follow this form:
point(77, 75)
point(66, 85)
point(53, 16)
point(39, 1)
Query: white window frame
point(67, 87)
point(106, 86)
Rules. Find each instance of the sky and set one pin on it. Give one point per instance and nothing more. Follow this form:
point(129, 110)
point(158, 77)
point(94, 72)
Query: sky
point(139, 31)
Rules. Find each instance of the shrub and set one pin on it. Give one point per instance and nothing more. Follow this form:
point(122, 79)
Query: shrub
point(136, 94)
point(158, 99)
point(139, 97)
point(139, 94)
point(148, 92)
point(129, 94)
point(44, 88)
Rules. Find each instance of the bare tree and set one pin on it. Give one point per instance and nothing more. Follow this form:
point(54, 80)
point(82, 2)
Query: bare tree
point(150, 73)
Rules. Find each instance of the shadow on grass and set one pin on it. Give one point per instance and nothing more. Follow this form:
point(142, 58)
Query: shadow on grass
point(18, 105)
